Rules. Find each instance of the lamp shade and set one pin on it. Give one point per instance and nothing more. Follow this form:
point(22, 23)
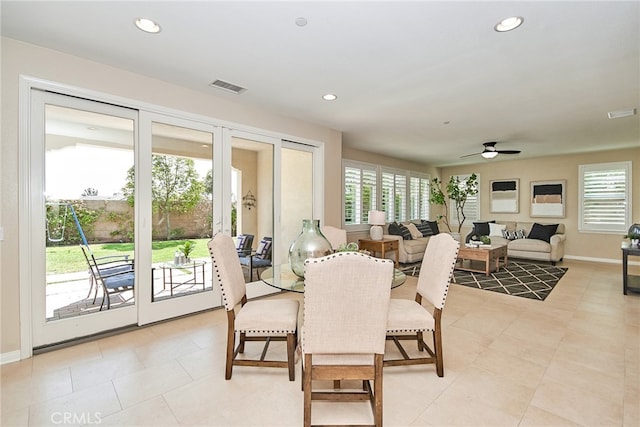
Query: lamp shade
point(376, 218)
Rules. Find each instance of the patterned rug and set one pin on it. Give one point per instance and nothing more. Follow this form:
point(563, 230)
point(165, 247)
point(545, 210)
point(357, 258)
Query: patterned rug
point(533, 281)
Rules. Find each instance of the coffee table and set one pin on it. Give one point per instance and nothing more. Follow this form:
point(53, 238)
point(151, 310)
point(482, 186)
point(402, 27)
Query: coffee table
point(489, 256)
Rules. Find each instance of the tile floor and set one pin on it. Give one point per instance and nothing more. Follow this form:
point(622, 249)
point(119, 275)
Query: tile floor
point(570, 360)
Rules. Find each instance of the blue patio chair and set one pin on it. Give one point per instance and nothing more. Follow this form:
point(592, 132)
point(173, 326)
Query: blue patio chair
point(244, 243)
point(260, 259)
point(113, 276)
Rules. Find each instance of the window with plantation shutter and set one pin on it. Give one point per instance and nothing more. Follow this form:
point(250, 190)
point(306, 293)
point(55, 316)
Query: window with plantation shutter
point(360, 190)
point(394, 195)
point(605, 197)
point(418, 196)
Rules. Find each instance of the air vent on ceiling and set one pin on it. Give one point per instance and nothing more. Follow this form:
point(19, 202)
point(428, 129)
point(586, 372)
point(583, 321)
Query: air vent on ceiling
point(621, 113)
point(230, 87)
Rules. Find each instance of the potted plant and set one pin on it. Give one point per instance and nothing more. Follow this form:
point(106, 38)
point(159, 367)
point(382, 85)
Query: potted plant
point(187, 248)
point(458, 191)
point(634, 238)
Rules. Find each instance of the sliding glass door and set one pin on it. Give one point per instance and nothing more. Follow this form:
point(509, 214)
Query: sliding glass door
point(178, 209)
point(82, 228)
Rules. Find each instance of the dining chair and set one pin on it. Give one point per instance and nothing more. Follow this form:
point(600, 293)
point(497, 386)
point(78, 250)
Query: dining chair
point(336, 236)
point(410, 319)
point(346, 300)
point(257, 320)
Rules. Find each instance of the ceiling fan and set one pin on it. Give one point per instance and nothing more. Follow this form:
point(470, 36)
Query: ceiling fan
point(490, 151)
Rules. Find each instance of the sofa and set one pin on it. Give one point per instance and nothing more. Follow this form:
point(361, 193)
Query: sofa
point(545, 246)
point(530, 240)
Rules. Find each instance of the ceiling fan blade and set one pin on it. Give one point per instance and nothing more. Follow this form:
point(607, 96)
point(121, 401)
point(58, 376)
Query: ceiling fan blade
point(469, 155)
point(508, 151)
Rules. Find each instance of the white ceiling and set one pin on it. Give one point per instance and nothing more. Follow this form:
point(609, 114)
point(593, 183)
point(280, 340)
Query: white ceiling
point(401, 70)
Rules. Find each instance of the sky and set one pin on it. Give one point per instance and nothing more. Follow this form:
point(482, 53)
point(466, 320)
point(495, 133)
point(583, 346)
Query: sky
point(71, 170)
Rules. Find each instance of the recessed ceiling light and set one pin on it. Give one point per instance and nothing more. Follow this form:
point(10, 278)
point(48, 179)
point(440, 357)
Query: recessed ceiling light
point(147, 25)
point(508, 24)
point(329, 97)
point(301, 22)
point(621, 113)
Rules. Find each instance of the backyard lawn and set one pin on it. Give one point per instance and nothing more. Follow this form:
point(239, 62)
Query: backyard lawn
point(69, 259)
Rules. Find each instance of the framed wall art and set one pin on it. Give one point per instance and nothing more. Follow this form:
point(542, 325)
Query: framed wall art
point(548, 198)
point(505, 195)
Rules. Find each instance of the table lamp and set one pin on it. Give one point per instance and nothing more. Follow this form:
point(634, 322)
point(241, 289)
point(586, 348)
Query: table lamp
point(376, 220)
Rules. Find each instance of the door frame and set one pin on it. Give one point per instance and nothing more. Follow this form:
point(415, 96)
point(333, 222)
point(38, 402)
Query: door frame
point(25, 86)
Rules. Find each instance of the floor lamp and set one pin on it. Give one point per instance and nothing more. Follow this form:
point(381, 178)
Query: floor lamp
point(376, 220)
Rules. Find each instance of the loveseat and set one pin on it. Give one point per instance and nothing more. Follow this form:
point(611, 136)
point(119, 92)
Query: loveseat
point(530, 240)
point(411, 248)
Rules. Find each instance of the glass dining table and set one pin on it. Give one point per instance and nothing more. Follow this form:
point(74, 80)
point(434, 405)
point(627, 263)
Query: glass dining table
point(283, 278)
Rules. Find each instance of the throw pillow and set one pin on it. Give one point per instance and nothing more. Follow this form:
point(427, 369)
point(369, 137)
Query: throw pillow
point(496, 229)
point(542, 232)
point(394, 229)
point(404, 232)
point(481, 228)
point(434, 227)
point(413, 229)
point(425, 229)
point(513, 235)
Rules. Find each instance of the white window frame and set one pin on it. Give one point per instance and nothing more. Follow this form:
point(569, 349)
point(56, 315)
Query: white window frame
point(400, 186)
point(586, 226)
point(423, 192)
point(361, 214)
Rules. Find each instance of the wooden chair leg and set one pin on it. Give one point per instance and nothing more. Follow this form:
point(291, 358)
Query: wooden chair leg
point(377, 390)
point(291, 356)
point(231, 342)
point(306, 385)
point(420, 339)
point(437, 342)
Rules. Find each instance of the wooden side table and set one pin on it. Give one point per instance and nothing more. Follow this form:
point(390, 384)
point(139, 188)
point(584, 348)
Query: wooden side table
point(383, 246)
point(630, 282)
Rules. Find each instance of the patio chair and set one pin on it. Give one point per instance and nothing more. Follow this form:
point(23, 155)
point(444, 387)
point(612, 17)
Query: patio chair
point(259, 320)
point(114, 277)
point(260, 259)
point(244, 243)
point(409, 319)
point(346, 300)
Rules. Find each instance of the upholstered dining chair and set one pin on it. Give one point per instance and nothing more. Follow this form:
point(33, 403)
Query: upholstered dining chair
point(336, 236)
point(410, 319)
point(346, 300)
point(260, 320)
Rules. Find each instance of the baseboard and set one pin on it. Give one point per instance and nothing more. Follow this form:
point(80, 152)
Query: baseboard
point(12, 356)
point(603, 260)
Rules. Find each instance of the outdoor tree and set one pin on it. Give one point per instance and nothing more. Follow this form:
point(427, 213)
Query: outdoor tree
point(175, 187)
point(89, 191)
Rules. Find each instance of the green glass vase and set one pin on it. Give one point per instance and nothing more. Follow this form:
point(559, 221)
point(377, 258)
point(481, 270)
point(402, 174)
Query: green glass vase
point(310, 243)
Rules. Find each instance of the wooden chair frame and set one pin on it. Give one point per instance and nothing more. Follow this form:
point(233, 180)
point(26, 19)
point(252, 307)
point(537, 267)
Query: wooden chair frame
point(233, 350)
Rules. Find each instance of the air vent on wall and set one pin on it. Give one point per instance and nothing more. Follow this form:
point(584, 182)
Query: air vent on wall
point(230, 87)
point(621, 113)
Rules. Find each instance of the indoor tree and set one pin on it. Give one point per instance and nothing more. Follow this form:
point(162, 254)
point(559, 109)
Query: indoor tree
point(458, 191)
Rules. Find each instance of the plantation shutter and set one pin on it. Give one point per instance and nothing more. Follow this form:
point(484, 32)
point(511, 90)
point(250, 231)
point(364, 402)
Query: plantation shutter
point(359, 193)
point(605, 197)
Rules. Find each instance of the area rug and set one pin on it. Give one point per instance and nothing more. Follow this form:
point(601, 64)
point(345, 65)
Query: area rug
point(533, 281)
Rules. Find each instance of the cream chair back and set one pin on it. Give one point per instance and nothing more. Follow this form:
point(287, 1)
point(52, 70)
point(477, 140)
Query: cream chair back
point(346, 302)
point(437, 268)
point(227, 271)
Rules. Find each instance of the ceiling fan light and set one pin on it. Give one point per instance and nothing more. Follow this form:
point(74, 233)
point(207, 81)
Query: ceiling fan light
point(489, 154)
